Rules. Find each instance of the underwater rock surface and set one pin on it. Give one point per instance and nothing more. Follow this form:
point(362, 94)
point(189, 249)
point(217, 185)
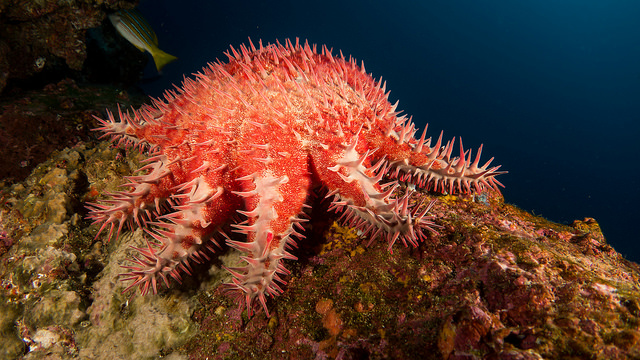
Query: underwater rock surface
point(496, 282)
point(48, 36)
point(34, 123)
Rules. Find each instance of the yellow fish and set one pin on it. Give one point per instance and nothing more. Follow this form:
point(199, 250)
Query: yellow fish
point(133, 27)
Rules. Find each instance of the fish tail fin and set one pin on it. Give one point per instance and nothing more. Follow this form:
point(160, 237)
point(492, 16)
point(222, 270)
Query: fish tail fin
point(161, 58)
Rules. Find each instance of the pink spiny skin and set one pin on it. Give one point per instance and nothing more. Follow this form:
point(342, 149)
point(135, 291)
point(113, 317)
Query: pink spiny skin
point(254, 137)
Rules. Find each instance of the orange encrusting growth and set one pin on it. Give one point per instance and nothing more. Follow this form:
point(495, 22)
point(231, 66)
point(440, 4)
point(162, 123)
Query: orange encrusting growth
point(245, 143)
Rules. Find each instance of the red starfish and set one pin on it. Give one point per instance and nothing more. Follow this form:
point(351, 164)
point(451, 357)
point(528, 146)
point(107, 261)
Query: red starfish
point(254, 137)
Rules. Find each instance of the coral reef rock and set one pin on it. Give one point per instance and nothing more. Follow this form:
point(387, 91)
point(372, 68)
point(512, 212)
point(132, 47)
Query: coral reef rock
point(497, 282)
point(38, 36)
point(494, 282)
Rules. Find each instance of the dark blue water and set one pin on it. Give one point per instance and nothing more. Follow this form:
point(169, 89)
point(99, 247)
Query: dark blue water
point(552, 88)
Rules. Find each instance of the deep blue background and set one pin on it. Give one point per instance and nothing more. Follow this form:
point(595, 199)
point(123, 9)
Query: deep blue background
point(551, 88)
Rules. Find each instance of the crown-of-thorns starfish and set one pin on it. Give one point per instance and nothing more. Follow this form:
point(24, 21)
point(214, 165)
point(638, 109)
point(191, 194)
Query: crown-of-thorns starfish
point(254, 137)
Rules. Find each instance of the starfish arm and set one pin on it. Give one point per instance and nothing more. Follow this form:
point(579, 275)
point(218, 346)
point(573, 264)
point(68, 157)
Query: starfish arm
point(176, 205)
point(270, 230)
point(274, 182)
point(367, 202)
point(433, 168)
point(182, 235)
point(147, 198)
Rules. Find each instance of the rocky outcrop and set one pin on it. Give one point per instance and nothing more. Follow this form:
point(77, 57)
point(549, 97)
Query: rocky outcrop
point(496, 282)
